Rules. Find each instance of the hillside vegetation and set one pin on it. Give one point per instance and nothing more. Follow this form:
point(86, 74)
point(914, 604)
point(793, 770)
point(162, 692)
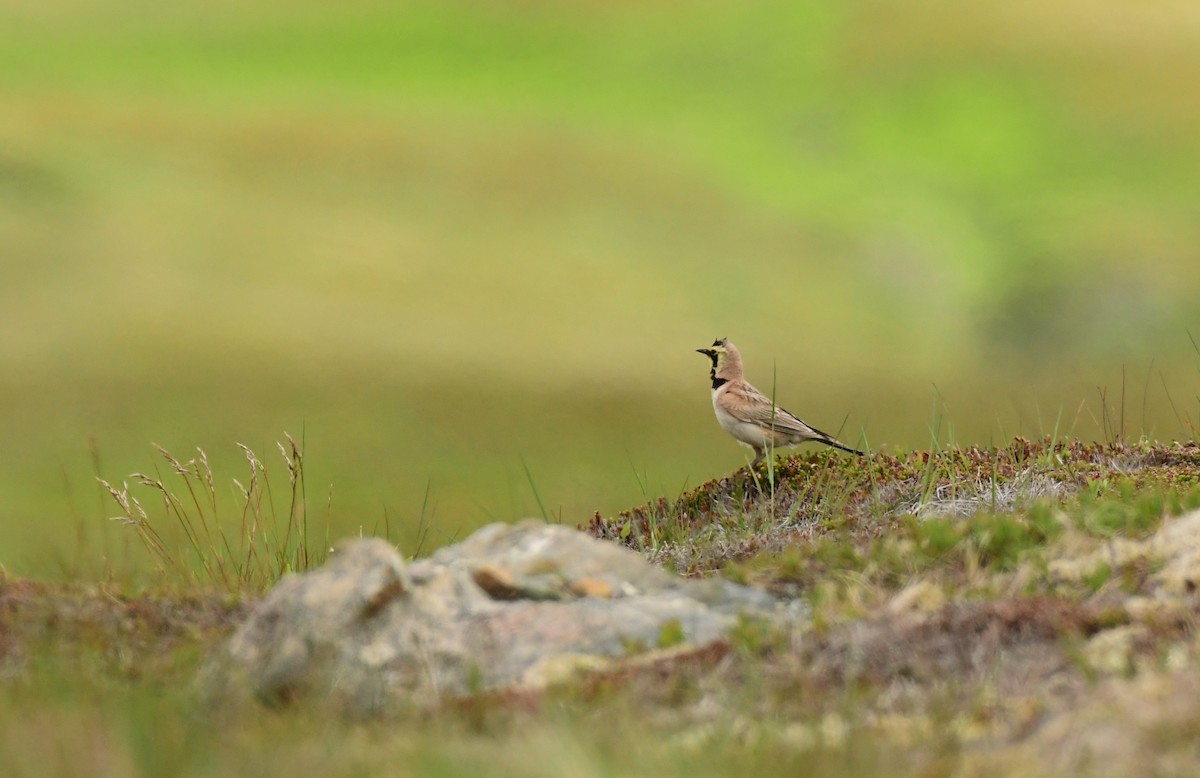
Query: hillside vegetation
point(1026, 609)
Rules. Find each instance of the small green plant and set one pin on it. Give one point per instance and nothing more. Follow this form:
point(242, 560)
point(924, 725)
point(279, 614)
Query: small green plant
point(633, 646)
point(671, 634)
point(1001, 540)
point(936, 536)
point(536, 494)
point(755, 636)
point(1125, 510)
point(1043, 519)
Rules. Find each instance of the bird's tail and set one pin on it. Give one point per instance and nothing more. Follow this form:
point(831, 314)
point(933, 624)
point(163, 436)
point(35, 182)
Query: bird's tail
point(834, 444)
point(831, 441)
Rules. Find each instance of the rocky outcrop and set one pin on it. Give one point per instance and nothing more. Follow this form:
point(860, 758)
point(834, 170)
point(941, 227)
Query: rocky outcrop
point(511, 606)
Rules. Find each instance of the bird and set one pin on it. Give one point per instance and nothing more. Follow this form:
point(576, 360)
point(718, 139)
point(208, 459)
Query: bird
point(749, 415)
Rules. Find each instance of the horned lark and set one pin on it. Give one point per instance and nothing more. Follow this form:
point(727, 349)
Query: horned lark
point(749, 415)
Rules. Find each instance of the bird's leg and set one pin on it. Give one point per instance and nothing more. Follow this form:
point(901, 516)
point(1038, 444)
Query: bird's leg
point(759, 453)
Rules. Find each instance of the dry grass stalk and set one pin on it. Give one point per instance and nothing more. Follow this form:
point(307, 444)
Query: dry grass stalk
point(265, 545)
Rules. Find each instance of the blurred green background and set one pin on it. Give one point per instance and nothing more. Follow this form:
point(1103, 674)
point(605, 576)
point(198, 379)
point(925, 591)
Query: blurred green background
point(463, 245)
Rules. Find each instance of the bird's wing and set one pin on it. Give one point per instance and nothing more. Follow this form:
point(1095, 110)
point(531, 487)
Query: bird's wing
point(748, 404)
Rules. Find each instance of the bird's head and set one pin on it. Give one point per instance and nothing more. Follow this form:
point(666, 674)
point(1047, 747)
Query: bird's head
point(726, 361)
point(714, 352)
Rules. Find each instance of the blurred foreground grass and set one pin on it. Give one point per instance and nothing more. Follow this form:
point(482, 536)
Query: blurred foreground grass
point(451, 242)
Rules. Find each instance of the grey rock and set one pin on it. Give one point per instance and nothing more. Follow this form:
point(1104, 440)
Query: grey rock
point(518, 605)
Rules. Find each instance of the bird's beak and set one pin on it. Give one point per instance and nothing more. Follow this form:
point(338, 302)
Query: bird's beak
point(705, 351)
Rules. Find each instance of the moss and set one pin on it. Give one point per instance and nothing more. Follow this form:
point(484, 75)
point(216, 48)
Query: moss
point(755, 636)
point(1002, 540)
point(671, 634)
point(1096, 579)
